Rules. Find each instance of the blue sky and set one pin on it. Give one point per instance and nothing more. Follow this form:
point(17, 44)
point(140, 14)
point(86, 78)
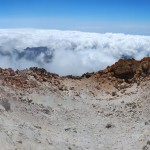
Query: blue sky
point(127, 16)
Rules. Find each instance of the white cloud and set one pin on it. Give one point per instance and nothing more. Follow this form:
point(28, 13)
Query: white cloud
point(73, 52)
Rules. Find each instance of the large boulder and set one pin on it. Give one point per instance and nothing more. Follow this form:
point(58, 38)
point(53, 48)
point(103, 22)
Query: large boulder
point(125, 69)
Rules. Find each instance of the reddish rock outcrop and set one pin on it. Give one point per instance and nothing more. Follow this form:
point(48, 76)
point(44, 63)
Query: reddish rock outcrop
point(125, 69)
point(122, 71)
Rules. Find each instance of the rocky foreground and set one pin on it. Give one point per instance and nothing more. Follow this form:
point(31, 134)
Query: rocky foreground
point(106, 110)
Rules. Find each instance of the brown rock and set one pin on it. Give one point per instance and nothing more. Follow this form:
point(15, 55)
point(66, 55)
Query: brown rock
point(114, 94)
point(125, 69)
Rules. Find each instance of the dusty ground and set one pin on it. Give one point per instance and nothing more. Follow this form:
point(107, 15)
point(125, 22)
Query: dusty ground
point(95, 112)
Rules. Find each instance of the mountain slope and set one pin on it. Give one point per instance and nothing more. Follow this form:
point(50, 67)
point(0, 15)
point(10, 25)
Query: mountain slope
point(105, 110)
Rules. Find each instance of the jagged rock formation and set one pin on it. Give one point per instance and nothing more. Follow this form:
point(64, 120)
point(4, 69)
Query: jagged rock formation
point(127, 69)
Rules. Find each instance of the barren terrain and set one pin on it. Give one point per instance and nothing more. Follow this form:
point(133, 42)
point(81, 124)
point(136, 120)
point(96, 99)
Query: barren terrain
point(106, 110)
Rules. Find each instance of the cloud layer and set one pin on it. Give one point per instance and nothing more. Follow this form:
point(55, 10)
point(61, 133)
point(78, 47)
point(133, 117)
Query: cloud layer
point(68, 52)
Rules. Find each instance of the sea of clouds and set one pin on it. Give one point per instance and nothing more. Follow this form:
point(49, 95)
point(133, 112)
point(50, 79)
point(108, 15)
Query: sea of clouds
point(68, 52)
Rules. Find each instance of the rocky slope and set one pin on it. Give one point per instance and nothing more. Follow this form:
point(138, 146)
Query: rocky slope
point(105, 110)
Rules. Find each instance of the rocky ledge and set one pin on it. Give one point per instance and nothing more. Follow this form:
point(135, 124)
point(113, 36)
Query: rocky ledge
point(127, 70)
